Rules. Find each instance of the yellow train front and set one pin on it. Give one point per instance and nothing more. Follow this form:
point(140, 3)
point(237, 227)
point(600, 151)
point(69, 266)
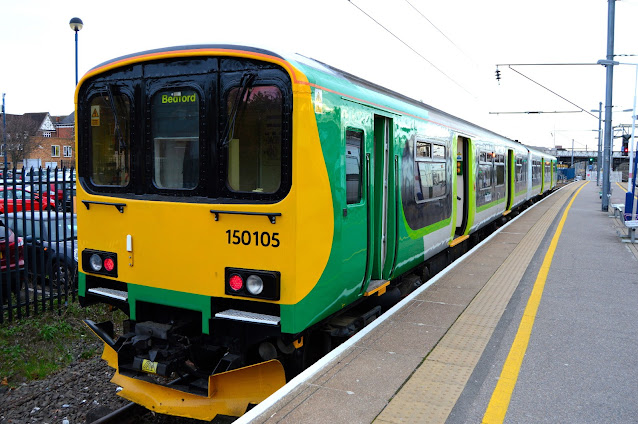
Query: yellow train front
point(246, 209)
point(190, 221)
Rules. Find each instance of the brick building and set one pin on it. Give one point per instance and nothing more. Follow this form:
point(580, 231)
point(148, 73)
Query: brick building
point(38, 139)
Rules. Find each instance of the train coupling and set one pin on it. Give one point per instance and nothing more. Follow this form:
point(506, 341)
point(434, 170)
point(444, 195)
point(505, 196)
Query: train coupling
point(145, 362)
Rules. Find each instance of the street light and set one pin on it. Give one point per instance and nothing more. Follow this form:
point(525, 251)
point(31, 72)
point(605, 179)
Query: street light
point(76, 25)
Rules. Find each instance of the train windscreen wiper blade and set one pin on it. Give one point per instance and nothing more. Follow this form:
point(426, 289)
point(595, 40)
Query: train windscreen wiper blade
point(120, 141)
point(245, 84)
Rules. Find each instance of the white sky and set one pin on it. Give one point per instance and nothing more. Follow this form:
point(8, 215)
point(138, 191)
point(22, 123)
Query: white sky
point(37, 69)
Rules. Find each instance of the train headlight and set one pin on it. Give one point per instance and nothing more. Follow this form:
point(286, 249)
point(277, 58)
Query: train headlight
point(96, 262)
point(254, 285)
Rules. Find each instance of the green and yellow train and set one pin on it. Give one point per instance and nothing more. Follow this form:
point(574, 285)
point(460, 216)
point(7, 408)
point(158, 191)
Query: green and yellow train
point(247, 209)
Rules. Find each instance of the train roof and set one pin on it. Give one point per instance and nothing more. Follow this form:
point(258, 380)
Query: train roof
point(302, 61)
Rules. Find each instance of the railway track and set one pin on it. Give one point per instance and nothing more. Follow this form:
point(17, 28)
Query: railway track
point(125, 414)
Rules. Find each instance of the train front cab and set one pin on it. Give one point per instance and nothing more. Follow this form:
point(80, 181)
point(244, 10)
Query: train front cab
point(190, 225)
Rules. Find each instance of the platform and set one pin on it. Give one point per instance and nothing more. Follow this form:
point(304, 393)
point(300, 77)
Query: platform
point(537, 324)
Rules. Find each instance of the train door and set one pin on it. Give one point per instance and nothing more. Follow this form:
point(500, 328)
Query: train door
point(511, 186)
point(356, 227)
point(385, 199)
point(462, 181)
point(542, 175)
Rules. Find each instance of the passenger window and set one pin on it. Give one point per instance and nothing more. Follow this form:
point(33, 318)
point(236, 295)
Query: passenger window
point(432, 177)
point(520, 175)
point(110, 140)
point(438, 151)
point(430, 170)
point(175, 132)
point(485, 170)
point(536, 172)
point(500, 170)
point(254, 150)
point(423, 149)
point(354, 142)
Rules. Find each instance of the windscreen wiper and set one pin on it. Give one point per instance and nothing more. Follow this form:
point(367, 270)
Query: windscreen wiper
point(245, 84)
point(120, 140)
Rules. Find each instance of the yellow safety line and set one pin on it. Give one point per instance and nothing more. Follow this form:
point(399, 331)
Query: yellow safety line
point(619, 185)
point(497, 408)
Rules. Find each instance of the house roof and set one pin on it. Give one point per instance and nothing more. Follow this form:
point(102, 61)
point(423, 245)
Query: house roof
point(32, 122)
point(37, 118)
point(29, 122)
point(39, 121)
point(68, 120)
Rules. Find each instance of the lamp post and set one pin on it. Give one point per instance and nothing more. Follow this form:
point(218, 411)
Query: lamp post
point(632, 177)
point(76, 25)
point(609, 65)
point(600, 141)
point(631, 185)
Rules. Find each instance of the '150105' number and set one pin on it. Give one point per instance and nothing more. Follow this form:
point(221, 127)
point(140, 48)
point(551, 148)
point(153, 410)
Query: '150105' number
point(247, 238)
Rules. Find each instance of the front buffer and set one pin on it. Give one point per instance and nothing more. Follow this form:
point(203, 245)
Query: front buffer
point(226, 393)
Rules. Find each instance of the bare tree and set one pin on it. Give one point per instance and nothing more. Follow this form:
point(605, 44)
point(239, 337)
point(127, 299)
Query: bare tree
point(21, 129)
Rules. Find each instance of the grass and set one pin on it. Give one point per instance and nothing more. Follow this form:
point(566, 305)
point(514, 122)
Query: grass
point(35, 347)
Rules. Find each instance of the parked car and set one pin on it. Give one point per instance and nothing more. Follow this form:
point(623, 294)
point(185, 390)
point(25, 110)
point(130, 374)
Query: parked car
point(62, 192)
point(50, 240)
point(9, 175)
point(24, 200)
point(11, 262)
point(68, 204)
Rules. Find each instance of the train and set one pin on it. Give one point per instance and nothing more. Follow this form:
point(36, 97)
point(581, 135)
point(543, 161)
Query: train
point(248, 210)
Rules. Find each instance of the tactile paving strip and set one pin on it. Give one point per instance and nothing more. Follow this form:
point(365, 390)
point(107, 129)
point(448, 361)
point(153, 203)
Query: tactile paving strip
point(432, 391)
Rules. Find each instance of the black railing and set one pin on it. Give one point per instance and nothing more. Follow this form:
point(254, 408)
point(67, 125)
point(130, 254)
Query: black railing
point(38, 244)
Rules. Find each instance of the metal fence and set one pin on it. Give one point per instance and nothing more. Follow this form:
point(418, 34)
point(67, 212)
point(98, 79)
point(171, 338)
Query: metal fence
point(38, 241)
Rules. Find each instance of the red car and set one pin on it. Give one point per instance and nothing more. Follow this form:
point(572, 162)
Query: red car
point(9, 264)
point(56, 194)
point(24, 200)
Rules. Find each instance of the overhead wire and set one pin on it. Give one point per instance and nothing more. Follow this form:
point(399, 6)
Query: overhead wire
point(441, 32)
point(411, 48)
point(553, 92)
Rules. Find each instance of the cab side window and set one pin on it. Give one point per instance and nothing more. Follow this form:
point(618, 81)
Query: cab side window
point(354, 142)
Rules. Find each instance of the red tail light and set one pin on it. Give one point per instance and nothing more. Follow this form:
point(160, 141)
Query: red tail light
point(109, 264)
point(236, 282)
